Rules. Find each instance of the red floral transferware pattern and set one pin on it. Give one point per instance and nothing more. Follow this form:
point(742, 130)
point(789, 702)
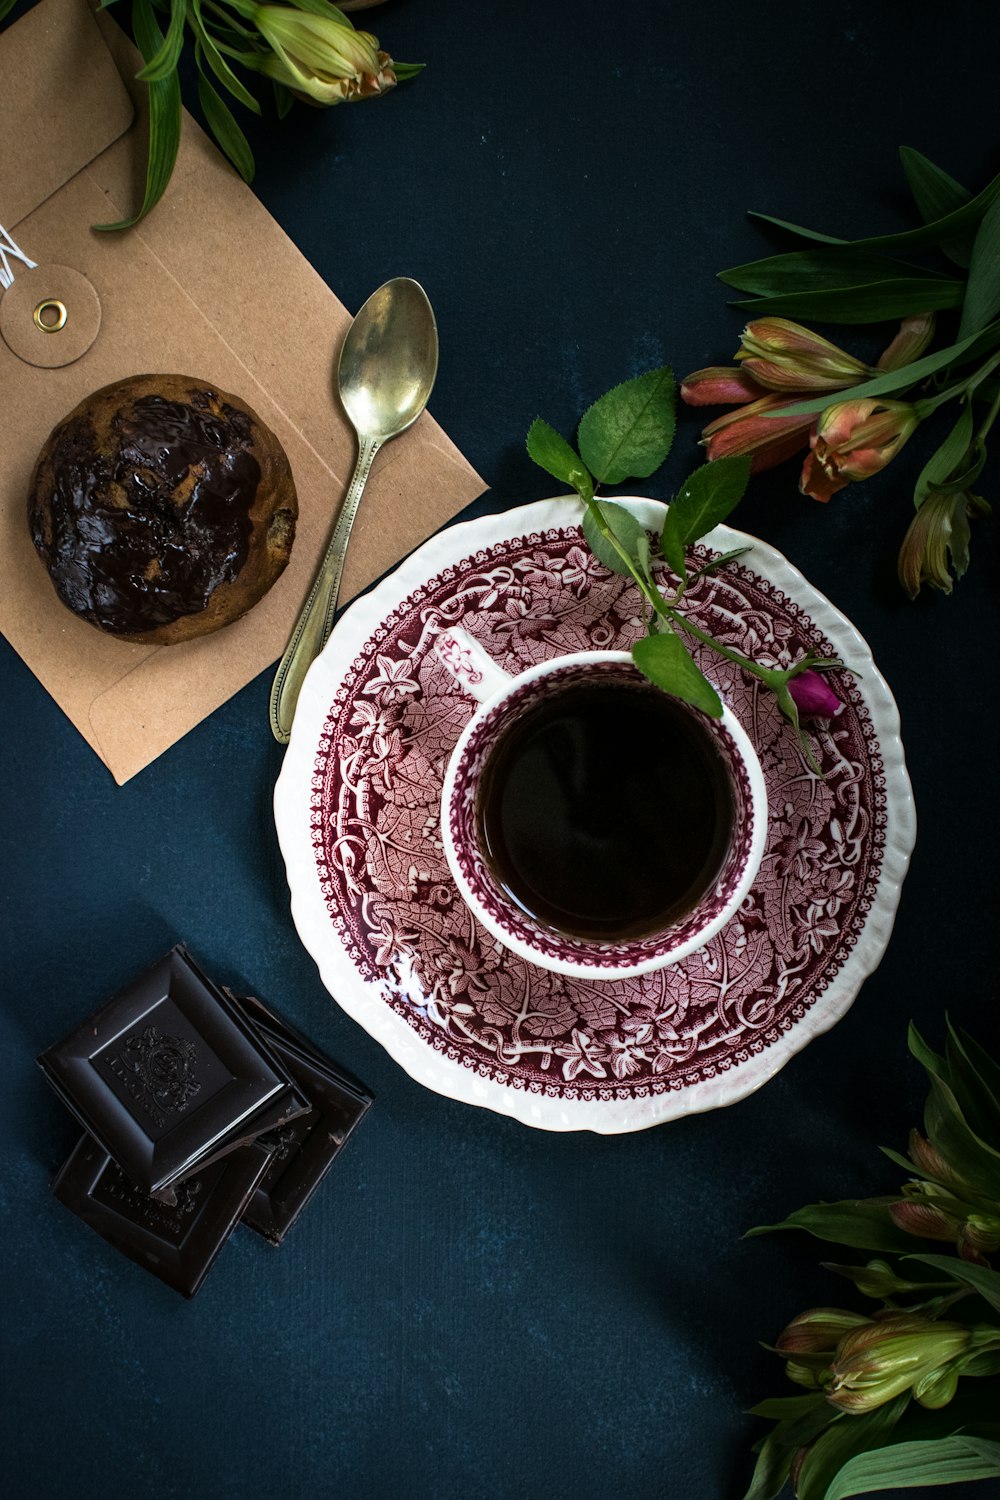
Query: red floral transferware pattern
point(375, 832)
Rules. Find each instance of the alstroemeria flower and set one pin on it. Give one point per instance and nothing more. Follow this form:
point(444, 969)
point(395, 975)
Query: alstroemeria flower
point(853, 440)
point(818, 1330)
point(910, 342)
point(876, 1363)
point(939, 529)
point(321, 59)
point(719, 385)
point(813, 696)
point(783, 356)
point(769, 440)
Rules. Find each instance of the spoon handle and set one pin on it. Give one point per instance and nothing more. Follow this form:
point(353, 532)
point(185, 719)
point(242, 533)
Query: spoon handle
point(315, 621)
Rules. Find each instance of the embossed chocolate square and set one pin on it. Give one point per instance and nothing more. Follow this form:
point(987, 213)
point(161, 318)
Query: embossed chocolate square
point(304, 1149)
point(169, 1075)
point(179, 1243)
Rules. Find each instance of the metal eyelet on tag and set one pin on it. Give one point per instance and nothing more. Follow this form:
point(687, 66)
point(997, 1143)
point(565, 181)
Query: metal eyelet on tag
point(49, 315)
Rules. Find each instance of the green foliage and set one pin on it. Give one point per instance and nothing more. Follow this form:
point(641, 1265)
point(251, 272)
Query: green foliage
point(904, 1466)
point(665, 660)
point(164, 116)
point(899, 1444)
point(628, 432)
point(625, 434)
point(222, 40)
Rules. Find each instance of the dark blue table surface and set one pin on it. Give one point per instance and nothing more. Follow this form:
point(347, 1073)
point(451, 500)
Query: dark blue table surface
point(471, 1308)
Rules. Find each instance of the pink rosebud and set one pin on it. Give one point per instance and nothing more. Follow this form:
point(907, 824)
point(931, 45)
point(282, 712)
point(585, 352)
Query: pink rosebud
point(813, 696)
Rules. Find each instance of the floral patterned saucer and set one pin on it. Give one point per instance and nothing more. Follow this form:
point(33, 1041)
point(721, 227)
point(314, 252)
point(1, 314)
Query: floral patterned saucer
point(357, 811)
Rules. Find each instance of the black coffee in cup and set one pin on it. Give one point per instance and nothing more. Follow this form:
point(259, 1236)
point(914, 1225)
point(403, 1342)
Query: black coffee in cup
point(605, 810)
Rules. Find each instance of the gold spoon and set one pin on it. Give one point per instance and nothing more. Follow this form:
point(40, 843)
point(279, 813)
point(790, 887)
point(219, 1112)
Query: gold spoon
point(386, 374)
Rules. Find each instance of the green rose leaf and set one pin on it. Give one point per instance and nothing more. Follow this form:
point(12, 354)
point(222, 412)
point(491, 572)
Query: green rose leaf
point(862, 1223)
point(164, 116)
point(703, 501)
point(627, 433)
point(551, 452)
point(666, 661)
point(904, 1466)
point(626, 530)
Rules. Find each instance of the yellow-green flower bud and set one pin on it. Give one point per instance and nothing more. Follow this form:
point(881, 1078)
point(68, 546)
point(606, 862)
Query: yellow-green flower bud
point(877, 1363)
point(320, 58)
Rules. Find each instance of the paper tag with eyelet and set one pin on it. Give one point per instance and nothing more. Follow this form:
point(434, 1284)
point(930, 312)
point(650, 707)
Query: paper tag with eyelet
point(50, 315)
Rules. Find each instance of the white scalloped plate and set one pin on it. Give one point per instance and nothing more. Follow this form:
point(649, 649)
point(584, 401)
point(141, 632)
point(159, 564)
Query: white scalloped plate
point(356, 808)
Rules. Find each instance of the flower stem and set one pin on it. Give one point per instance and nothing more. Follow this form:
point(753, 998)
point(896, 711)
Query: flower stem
point(989, 418)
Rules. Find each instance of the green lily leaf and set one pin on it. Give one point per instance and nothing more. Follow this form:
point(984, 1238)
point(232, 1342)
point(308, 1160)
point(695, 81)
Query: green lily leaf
point(872, 302)
point(781, 1408)
point(862, 1223)
point(551, 452)
point(627, 433)
point(973, 1160)
point(898, 380)
point(982, 297)
point(805, 1417)
point(164, 117)
point(936, 194)
point(283, 98)
point(774, 1462)
point(165, 60)
point(978, 1278)
point(218, 64)
point(626, 530)
point(225, 129)
point(704, 500)
point(942, 463)
point(938, 232)
point(324, 8)
point(666, 661)
point(980, 1067)
point(816, 270)
point(6, 5)
point(842, 1442)
point(904, 1466)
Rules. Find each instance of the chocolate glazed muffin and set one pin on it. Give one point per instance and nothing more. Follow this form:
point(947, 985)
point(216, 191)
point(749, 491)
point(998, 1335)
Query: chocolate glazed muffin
point(163, 508)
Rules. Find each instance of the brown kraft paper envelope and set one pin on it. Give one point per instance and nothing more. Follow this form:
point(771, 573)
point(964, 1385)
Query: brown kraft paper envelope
point(208, 285)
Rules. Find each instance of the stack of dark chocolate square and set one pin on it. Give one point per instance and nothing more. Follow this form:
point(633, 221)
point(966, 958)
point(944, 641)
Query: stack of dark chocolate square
point(201, 1109)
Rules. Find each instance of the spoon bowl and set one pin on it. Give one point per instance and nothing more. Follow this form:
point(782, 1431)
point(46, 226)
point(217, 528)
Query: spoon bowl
point(389, 360)
point(385, 377)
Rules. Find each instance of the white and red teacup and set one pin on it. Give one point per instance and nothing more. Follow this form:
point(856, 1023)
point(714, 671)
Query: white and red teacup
point(579, 798)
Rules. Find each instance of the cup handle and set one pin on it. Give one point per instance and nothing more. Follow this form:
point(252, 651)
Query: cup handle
point(471, 667)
